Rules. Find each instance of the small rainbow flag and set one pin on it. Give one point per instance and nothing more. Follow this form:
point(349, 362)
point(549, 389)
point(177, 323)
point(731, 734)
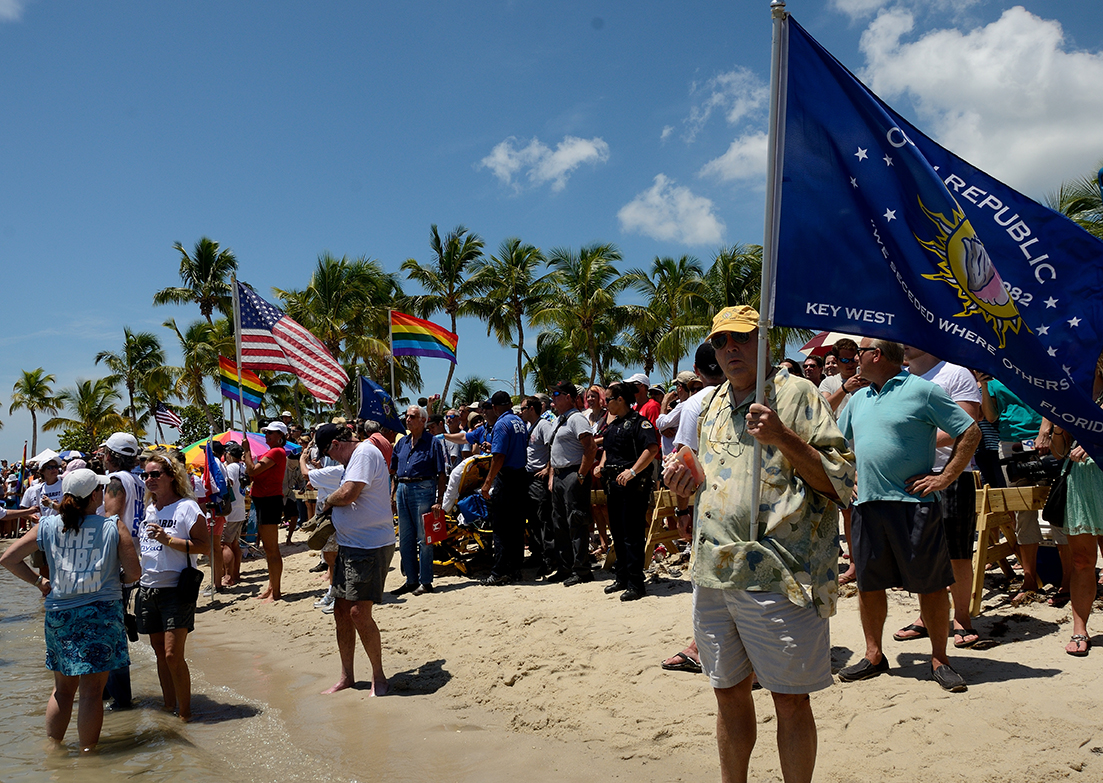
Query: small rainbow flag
point(252, 387)
point(414, 337)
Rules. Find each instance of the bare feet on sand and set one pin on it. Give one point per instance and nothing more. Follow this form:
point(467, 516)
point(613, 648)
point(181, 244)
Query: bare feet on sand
point(268, 596)
point(340, 686)
point(378, 687)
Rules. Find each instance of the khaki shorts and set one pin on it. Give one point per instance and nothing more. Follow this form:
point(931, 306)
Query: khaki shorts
point(788, 647)
point(359, 574)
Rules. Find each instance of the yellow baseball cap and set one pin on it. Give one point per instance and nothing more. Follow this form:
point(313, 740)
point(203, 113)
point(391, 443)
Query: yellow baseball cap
point(740, 318)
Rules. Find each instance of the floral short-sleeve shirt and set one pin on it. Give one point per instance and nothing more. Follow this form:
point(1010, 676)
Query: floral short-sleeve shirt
point(796, 553)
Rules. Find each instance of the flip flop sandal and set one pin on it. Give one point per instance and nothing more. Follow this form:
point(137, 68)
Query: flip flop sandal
point(961, 633)
point(919, 631)
point(1059, 600)
point(1079, 638)
point(686, 664)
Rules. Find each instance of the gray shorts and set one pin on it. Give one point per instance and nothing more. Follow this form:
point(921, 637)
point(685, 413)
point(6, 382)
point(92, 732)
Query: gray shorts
point(359, 574)
point(232, 531)
point(788, 647)
point(900, 544)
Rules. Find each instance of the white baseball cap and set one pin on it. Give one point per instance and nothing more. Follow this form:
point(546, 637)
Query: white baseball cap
point(276, 426)
point(82, 483)
point(639, 378)
point(123, 443)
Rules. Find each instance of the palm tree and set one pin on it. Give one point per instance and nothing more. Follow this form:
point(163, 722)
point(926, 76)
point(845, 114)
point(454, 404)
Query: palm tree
point(205, 275)
point(584, 296)
point(33, 393)
point(735, 278)
point(510, 290)
point(1081, 200)
point(470, 389)
point(555, 360)
point(201, 345)
point(92, 404)
point(345, 305)
point(446, 282)
point(140, 362)
point(675, 292)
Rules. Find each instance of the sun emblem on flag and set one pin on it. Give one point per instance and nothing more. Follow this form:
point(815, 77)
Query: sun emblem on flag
point(964, 265)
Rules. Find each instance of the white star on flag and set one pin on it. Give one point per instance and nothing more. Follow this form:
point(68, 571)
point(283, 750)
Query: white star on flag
point(890, 215)
point(853, 182)
point(860, 154)
point(888, 160)
point(1052, 351)
point(1074, 321)
point(1043, 330)
point(1051, 302)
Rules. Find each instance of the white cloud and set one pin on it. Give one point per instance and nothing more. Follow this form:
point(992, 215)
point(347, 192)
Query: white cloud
point(667, 130)
point(672, 213)
point(744, 159)
point(542, 164)
point(861, 9)
point(738, 94)
point(11, 10)
point(1008, 97)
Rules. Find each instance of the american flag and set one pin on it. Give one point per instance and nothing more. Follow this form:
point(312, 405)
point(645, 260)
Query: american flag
point(270, 340)
point(165, 415)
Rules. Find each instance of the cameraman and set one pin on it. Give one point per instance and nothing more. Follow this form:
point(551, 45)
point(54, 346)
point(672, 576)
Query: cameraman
point(1020, 427)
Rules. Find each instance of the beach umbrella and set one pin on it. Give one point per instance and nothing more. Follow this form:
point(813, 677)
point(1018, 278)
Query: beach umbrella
point(43, 456)
point(197, 456)
point(69, 454)
point(822, 342)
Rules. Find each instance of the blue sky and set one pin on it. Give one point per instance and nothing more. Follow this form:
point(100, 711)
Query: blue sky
point(283, 130)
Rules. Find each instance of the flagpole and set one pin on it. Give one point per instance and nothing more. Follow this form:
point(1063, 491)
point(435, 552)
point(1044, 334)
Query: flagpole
point(390, 338)
point(775, 154)
point(237, 349)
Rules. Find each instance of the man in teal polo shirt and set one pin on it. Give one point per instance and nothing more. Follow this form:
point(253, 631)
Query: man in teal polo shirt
point(897, 527)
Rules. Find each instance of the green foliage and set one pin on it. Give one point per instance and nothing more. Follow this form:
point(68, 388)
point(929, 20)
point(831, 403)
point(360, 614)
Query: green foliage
point(205, 275)
point(76, 438)
point(195, 422)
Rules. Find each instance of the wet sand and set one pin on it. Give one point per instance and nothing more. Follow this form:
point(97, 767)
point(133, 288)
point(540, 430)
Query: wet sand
point(553, 683)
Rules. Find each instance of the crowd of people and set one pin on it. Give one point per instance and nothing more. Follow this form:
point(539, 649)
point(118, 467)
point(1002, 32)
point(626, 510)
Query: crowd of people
point(569, 474)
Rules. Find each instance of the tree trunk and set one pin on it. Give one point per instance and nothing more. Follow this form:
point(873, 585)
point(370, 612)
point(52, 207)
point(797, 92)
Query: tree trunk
point(452, 369)
point(520, 353)
point(34, 433)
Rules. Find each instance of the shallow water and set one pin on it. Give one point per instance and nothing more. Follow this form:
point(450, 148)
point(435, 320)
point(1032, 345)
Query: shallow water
point(228, 740)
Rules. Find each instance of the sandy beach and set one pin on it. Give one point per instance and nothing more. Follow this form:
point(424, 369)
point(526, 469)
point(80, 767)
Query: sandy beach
point(544, 682)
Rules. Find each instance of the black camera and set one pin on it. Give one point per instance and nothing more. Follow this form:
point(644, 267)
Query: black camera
point(1029, 465)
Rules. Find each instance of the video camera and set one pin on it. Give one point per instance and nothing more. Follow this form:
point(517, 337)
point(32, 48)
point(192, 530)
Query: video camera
point(1030, 466)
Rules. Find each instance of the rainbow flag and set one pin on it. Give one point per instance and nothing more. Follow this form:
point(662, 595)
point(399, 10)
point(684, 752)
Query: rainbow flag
point(414, 337)
point(252, 387)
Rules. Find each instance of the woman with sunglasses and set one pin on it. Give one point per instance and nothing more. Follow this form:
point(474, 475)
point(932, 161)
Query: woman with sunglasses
point(85, 636)
point(173, 534)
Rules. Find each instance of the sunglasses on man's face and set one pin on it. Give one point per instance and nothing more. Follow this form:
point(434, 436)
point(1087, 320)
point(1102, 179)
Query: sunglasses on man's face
point(720, 341)
point(841, 360)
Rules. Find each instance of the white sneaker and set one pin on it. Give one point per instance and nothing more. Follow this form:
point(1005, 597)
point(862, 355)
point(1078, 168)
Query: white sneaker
point(208, 591)
point(328, 608)
point(325, 601)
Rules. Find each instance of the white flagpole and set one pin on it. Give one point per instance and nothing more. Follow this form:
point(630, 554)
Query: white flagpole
point(775, 154)
point(390, 337)
point(237, 349)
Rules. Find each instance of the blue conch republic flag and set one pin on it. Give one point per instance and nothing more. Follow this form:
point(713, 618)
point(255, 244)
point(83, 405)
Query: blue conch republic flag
point(886, 234)
point(377, 405)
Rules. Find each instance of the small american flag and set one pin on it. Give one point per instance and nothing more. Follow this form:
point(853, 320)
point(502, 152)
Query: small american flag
point(270, 340)
point(165, 415)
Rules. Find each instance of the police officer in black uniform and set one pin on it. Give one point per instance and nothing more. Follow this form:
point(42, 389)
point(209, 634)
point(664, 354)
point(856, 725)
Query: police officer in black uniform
point(631, 443)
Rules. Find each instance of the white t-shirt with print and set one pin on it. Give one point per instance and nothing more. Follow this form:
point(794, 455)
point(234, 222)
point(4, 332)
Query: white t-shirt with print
point(161, 566)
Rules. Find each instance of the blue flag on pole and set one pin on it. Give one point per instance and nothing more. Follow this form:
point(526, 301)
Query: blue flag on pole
point(884, 233)
point(376, 405)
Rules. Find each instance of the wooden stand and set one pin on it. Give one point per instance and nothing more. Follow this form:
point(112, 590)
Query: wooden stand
point(995, 518)
point(663, 507)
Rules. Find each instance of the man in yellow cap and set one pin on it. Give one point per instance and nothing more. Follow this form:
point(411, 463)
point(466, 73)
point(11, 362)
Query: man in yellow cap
point(760, 607)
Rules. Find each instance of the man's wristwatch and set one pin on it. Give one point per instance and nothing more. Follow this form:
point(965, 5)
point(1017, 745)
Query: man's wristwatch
point(632, 471)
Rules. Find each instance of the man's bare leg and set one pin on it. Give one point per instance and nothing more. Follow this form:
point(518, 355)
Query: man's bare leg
point(736, 730)
point(962, 593)
point(346, 643)
point(935, 608)
point(851, 573)
point(360, 613)
point(873, 607)
point(796, 736)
